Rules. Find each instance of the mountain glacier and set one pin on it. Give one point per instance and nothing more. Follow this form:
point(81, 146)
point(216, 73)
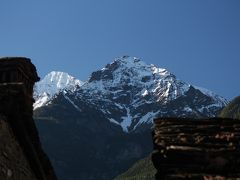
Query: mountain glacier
point(130, 94)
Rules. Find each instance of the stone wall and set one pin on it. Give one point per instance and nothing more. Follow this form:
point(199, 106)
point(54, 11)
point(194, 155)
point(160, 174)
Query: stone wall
point(196, 148)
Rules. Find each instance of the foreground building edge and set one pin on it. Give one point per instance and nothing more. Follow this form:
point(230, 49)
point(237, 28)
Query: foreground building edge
point(21, 154)
point(196, 149)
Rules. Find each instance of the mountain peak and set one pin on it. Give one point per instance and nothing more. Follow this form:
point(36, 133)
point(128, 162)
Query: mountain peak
point(124, 61)
point(131, 62)
point(60, 79)
point(53, 83)
point(128, 67)
point(128, 60)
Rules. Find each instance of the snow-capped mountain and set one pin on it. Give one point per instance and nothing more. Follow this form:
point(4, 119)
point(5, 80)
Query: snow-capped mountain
point(132, 73)
point(97, 129)
point(131, 93)
point(51, 85)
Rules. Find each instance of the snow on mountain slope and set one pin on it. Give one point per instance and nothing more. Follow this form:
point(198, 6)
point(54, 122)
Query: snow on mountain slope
point(219, 100)
point(132, 72)
point(131, 93)
point(52, 84)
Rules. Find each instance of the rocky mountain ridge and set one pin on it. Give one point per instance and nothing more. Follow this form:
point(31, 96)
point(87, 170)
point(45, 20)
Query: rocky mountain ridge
point(131, 93)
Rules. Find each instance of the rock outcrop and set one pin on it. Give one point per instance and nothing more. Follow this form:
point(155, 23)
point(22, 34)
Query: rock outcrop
point(21, 154)
point(196, 149)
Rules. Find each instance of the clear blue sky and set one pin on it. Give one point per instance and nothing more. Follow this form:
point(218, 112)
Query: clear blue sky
point(197, 40)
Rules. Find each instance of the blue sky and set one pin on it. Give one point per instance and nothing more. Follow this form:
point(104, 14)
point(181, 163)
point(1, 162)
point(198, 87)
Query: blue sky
point(198, 41)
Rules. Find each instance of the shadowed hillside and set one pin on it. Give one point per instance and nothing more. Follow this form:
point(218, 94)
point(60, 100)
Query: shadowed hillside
point(141, 170)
